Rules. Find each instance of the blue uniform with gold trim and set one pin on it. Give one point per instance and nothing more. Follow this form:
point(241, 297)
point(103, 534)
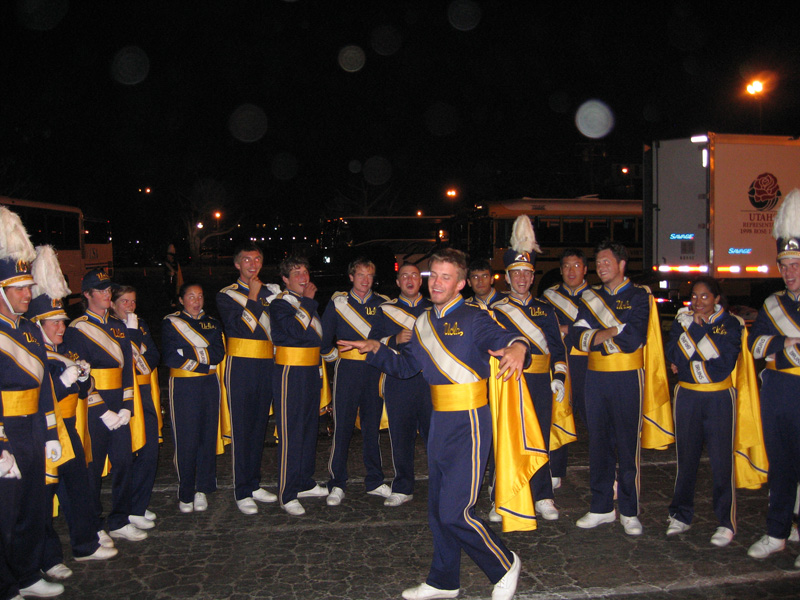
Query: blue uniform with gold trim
point(296, 328)
point(248, 380)
point(614, 387)
point(28, 421)
point(408, 401)
point(537, 321)
point(705, 355)
point(104, 344)
point(355, 386)
point(192, 350)
point(778, 319)
point(459, 440)
point(566, 301)
point(145, 461)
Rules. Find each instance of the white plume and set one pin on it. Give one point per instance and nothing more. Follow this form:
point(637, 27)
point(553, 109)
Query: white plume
point(14, 240)
point(523, 239)
point(787, 221)
point(47, 276)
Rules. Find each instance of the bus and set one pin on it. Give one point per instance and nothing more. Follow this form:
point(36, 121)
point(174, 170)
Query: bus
point(559, 223)
point(81, 243)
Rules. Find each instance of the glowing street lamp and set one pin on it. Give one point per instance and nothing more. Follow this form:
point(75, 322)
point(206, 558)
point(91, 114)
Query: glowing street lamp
point(452, 193)
point(756, 89)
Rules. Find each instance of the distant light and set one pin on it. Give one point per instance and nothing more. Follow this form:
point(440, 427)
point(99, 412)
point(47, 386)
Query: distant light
point(199, 225)
point(217, 215)
point(729, 269)
point(624, 170)
point(419, 213)
point(452, 193)
point(755, 88)
point(704, 160)
point(699, 139)
point(147, 190)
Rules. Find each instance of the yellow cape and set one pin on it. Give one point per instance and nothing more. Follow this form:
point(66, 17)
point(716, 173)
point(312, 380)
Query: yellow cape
point(519, 450)
point(750, 456)
point(658, 430)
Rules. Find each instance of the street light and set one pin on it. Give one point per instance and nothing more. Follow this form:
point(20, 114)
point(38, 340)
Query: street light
point(217, 217)
point(756, 89)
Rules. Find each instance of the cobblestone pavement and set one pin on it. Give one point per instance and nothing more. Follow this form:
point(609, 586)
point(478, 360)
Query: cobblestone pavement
point(362, 550)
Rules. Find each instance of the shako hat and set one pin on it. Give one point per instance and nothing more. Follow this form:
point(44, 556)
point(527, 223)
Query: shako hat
point(16, 251)
point(786, 227)
point(523, 244)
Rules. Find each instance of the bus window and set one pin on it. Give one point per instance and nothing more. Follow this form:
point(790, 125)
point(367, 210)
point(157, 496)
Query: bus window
point(598, 230)
point(574, 230)
point(548, 230)
point(625, 230)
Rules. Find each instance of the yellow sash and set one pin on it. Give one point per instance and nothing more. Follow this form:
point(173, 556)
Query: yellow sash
point(20, 403)
point(352, 355)
point(727, 383)
point(459, 396)
point(616, 362)
point(245, 348)
point(107, 379)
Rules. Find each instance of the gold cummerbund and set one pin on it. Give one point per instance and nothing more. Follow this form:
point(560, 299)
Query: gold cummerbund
point(296, 357)
point(540, 363)
point(244, 348)
point(459, 396)
point(577, 352)
point(791, 370)
point(727, 383)
point(20, 403)
point(68, 406)
point(143, 379)
point(616, 362)
point(185, 373)
point(352, 355)
point(107, 379)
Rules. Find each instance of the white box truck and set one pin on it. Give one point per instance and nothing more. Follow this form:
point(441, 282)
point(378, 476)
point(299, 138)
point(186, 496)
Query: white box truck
point(709, 204)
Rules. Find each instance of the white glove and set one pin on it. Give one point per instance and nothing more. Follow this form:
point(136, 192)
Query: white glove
point(557, 387)
point(110, 419)
point(124, 417)
point(132, 321)
point(52, 450)
point(8, 466)
point(70, 375)
point(685, 319)
point(85, 368)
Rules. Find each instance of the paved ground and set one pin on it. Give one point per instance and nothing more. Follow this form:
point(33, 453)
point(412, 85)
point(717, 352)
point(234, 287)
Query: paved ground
point(362, 550)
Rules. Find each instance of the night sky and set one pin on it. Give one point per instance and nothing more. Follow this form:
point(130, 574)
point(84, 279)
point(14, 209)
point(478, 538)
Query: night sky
point(299, 108)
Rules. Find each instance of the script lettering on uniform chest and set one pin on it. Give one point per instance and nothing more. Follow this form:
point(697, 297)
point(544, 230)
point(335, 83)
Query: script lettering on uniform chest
point(371, 310)
point(622, 305)
point(31, 339)
point(207, 326)
point(118, 333)
point(452, 329)
point(536, 311)
point(73, 356)
point(719, 330)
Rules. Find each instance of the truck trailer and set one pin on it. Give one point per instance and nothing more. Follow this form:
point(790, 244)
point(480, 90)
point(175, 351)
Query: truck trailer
point(709, 206)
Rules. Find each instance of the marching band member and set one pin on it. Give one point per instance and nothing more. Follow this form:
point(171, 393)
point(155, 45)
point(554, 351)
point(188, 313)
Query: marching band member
point(145, 358)
point(105, 344)
point(243, 307)
point(350, 315)
point(298, 383)
point(27, 420)
point(193, 347)
point(537, 321)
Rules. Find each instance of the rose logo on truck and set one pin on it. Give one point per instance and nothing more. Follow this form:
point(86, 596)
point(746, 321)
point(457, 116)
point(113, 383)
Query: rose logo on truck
point(764, 192)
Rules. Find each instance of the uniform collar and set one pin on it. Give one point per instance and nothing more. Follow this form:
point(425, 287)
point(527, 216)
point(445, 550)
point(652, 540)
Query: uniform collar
point(577, 291)
point(796, 298)
point(355, 297)
point(200, 316)
point(524, 302)
point(619, 288)
point(717, 315)
point(98, 318)
point(14, 324)
point(411, 303)
point(449, 307)
point(242, 284)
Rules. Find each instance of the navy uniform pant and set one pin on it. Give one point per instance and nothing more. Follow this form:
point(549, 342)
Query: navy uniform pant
point(356, 393)
point(22, 519)
point(614, 417)
point(194, 411)
point(704, 417)
point(542, 396)
point(458, 448)
point(780, 418)
point(248, 383)
point(75, 504)
point(408, 406)
point(577, 373)
point(297, 393)
point(145, 461)
point(116, 446)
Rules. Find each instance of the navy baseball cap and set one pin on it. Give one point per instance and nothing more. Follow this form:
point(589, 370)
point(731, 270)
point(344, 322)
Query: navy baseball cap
point(96, 279)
